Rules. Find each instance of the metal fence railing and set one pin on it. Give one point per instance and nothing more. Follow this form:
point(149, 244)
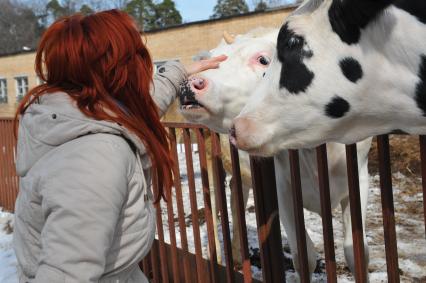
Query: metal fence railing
point(8, 178)
point(174, 261)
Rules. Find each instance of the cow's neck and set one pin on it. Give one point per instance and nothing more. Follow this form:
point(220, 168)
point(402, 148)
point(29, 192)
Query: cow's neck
point(396, 46)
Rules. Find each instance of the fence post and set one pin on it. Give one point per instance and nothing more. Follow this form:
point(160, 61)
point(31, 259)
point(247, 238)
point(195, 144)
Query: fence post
point(326, 215)
point(388, 210)
point(268, 222)
point(299, 220)
point(423, 161)
point(356, 217)
point(242, 227)
point(219, 174)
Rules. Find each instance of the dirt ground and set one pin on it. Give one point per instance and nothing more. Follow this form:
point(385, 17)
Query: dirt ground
point(405, 156)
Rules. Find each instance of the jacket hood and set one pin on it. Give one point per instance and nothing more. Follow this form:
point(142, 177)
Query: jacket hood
point(55, 120)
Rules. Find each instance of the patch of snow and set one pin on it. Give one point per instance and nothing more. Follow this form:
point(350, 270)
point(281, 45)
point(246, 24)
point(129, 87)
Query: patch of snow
point(8, 263)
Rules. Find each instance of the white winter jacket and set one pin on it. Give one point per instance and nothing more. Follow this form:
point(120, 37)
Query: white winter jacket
point(84, 211)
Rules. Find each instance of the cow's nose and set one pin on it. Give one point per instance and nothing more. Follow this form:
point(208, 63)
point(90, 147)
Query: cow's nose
point(198, 84)
point(242, 132)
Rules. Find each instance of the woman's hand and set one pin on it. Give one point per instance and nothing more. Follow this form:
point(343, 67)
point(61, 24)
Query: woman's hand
point(211, 63)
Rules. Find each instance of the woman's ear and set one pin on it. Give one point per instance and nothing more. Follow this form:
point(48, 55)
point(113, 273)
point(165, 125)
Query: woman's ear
point(348, 17)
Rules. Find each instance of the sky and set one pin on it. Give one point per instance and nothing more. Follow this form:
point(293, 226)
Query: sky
point(196, 10)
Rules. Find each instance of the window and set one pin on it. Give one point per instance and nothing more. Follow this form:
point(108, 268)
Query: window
point(3, 91)
point(21, 87)
point(159, 64)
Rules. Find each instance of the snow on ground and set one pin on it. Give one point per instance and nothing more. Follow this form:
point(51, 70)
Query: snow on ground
point(7, 255)
point(410, 229)
point(409, 217)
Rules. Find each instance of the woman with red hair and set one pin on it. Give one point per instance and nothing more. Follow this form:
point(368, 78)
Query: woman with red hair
point(89, 140)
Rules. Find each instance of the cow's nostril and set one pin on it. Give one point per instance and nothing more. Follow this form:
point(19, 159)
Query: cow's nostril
point(232, 132)
point(198, 84)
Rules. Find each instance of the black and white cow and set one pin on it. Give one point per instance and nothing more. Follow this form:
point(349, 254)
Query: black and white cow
point(344, 70)
point(215, 97)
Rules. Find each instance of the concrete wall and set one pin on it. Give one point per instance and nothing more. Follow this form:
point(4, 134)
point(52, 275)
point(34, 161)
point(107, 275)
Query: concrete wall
point(177, 43)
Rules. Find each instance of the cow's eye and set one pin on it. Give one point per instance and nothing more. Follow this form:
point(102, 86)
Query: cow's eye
point(263, 60)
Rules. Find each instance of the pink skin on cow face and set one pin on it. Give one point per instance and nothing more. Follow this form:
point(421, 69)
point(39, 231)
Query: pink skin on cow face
point(199, 85)
point(260, 59)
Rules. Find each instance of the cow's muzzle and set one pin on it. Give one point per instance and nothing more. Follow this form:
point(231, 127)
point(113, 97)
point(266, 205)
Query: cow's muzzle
point(188, 91)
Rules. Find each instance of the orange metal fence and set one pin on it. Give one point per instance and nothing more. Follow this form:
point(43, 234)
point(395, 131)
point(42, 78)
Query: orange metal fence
point(8, 178)
point(174, 262)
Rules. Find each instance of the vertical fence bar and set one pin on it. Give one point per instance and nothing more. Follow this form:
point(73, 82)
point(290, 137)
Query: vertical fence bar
point(11, 188)
point(5, 167)
point(299, 217)
point(242, 227)
point(388, 210)
point(194, 209)
point(207, 204)
point(267, 216)
point(163, 254)
point(15, 175)
point(9, 171)
point(223, 208)
point(327, 218)
point(172, 233)
point(144, 265)
point(155, 264)
point(2, 163)
point(180, 209)
point(356, 217)
point(15, 184)
point(423, 161)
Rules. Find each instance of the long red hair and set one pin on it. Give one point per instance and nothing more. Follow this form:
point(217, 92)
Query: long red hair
point(102, 63)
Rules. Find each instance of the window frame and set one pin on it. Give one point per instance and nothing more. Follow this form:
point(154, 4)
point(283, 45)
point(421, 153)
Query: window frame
point(20, 87)
point(3, 90)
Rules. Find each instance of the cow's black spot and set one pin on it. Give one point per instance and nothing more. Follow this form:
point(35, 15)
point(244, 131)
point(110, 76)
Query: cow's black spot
point(351, 68)
point(417, 8)
point(421, 87)
point(337, 107)
point(291, 50)
point(348, 17)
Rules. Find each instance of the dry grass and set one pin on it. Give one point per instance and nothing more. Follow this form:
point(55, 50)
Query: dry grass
point(405, 156)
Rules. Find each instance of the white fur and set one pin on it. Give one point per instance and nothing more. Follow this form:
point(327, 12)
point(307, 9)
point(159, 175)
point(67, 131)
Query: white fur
point(383, 100)
point(229, 88)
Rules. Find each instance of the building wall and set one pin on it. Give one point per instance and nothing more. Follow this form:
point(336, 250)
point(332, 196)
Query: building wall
point(10, 68)
point(176, 43)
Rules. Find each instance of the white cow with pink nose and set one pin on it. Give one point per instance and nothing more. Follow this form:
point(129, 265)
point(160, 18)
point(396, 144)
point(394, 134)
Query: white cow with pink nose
point(215, 97)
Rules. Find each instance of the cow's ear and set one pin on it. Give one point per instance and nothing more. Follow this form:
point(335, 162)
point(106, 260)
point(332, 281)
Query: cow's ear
point(348, 17)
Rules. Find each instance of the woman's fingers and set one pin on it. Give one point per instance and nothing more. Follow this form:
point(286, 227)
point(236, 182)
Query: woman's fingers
point(203, 65)
point(214, 62)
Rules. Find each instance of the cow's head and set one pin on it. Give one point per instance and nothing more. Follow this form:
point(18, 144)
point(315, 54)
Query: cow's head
point(333, 78)
point(215, 97)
